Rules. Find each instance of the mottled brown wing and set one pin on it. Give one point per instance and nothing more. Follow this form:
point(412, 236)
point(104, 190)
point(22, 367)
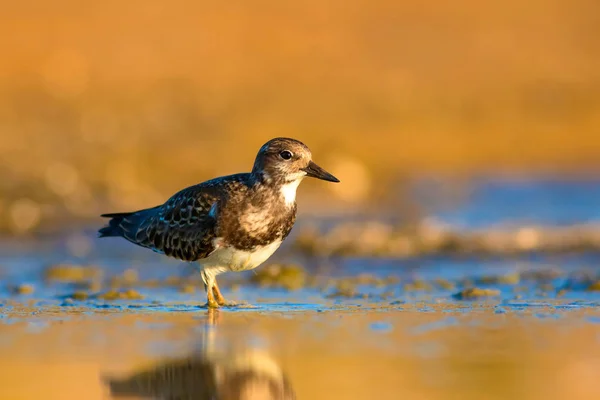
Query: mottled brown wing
point(183, 227)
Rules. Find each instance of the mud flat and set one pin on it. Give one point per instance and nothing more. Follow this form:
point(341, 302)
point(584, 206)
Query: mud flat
point(421, 350)
point(132, 326)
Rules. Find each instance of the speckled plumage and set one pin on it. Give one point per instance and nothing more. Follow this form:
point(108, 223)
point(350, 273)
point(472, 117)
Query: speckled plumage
point(247, 213)
point(230, 223)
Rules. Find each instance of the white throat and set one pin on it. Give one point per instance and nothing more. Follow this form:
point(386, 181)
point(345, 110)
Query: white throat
point(288, 191)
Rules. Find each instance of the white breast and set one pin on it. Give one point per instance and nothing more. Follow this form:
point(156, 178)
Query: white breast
point(239, 260)
point(289, 191)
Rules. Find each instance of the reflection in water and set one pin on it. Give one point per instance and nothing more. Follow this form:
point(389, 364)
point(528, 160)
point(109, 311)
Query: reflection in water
point(247, 374)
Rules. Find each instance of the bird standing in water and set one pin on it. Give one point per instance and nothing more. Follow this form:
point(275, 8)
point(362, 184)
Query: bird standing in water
point(231, 223)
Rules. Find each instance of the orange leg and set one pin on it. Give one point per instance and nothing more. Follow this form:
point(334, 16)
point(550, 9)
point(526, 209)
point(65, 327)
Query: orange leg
point(211, 299)
point(217, 294)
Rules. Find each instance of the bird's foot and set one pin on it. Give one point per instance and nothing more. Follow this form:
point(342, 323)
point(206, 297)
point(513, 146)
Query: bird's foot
point(221, 301)
point(225, 303)
point(212, 304)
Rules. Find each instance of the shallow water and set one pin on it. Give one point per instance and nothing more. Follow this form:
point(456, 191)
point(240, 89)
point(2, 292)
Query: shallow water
point(484, 202)
point(419, 350)
point(358, 328)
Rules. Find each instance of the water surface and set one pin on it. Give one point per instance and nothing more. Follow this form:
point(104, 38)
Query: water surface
point(356, 328)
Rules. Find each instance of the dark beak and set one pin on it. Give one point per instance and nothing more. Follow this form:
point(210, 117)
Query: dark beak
point(317, 172)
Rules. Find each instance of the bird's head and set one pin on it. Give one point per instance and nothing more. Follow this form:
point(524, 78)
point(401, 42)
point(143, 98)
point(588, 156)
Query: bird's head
point(286, 161)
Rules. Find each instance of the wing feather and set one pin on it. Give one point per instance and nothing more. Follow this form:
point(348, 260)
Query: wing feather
point(183, 227)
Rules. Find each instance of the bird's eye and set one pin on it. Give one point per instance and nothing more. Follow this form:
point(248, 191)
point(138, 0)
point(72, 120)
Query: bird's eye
point(286, 154)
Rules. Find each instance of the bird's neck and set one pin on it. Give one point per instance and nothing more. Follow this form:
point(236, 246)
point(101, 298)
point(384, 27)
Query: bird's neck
point(283, 186)
point(288, 191)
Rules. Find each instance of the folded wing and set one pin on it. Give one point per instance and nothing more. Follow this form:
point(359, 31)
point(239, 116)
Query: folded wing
point(183, 227)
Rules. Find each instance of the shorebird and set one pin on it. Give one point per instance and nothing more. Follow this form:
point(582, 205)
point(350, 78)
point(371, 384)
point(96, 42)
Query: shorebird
point(231, 223)
point(241, 374)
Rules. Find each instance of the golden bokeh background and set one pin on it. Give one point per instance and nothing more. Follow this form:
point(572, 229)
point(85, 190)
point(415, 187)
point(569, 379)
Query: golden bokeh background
point(116, 105)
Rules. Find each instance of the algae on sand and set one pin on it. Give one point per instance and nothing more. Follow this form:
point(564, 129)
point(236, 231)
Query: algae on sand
point(476, 293)
point(290, 277)
point(129, 294)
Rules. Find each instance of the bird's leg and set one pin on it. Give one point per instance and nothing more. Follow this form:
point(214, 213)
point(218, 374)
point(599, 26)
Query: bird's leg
point(211, 303)
point(217, 294)
point(209, 283)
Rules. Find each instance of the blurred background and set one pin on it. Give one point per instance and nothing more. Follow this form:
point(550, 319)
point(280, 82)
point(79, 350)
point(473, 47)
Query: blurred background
point(458, 258)
point(115, 106)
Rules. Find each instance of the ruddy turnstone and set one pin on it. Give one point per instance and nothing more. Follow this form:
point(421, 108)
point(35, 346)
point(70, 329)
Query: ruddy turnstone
point(232, 223)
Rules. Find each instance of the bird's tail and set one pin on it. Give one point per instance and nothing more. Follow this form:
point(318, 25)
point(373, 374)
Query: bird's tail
point(114, 227)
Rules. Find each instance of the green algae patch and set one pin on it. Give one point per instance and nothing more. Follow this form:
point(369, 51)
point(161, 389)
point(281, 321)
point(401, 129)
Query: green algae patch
point(418, 285)
point(23, 289)
point(476, 293)
point(290, 277)
point(508, 279)
point(594, 287)
point(344, 289)
point(80, 296)
point(72, 273)
point(444, 284)
point(113, 294)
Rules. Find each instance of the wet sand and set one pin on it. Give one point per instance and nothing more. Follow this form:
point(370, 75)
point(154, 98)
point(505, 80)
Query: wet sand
point(420, 350)
point(128, 324)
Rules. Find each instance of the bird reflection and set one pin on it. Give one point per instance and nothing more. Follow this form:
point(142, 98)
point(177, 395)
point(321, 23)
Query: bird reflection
point(248, 374)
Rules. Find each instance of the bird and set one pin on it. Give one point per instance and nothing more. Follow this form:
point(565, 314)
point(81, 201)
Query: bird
point(230, 223)
point(235, 371)
point(247, 374)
